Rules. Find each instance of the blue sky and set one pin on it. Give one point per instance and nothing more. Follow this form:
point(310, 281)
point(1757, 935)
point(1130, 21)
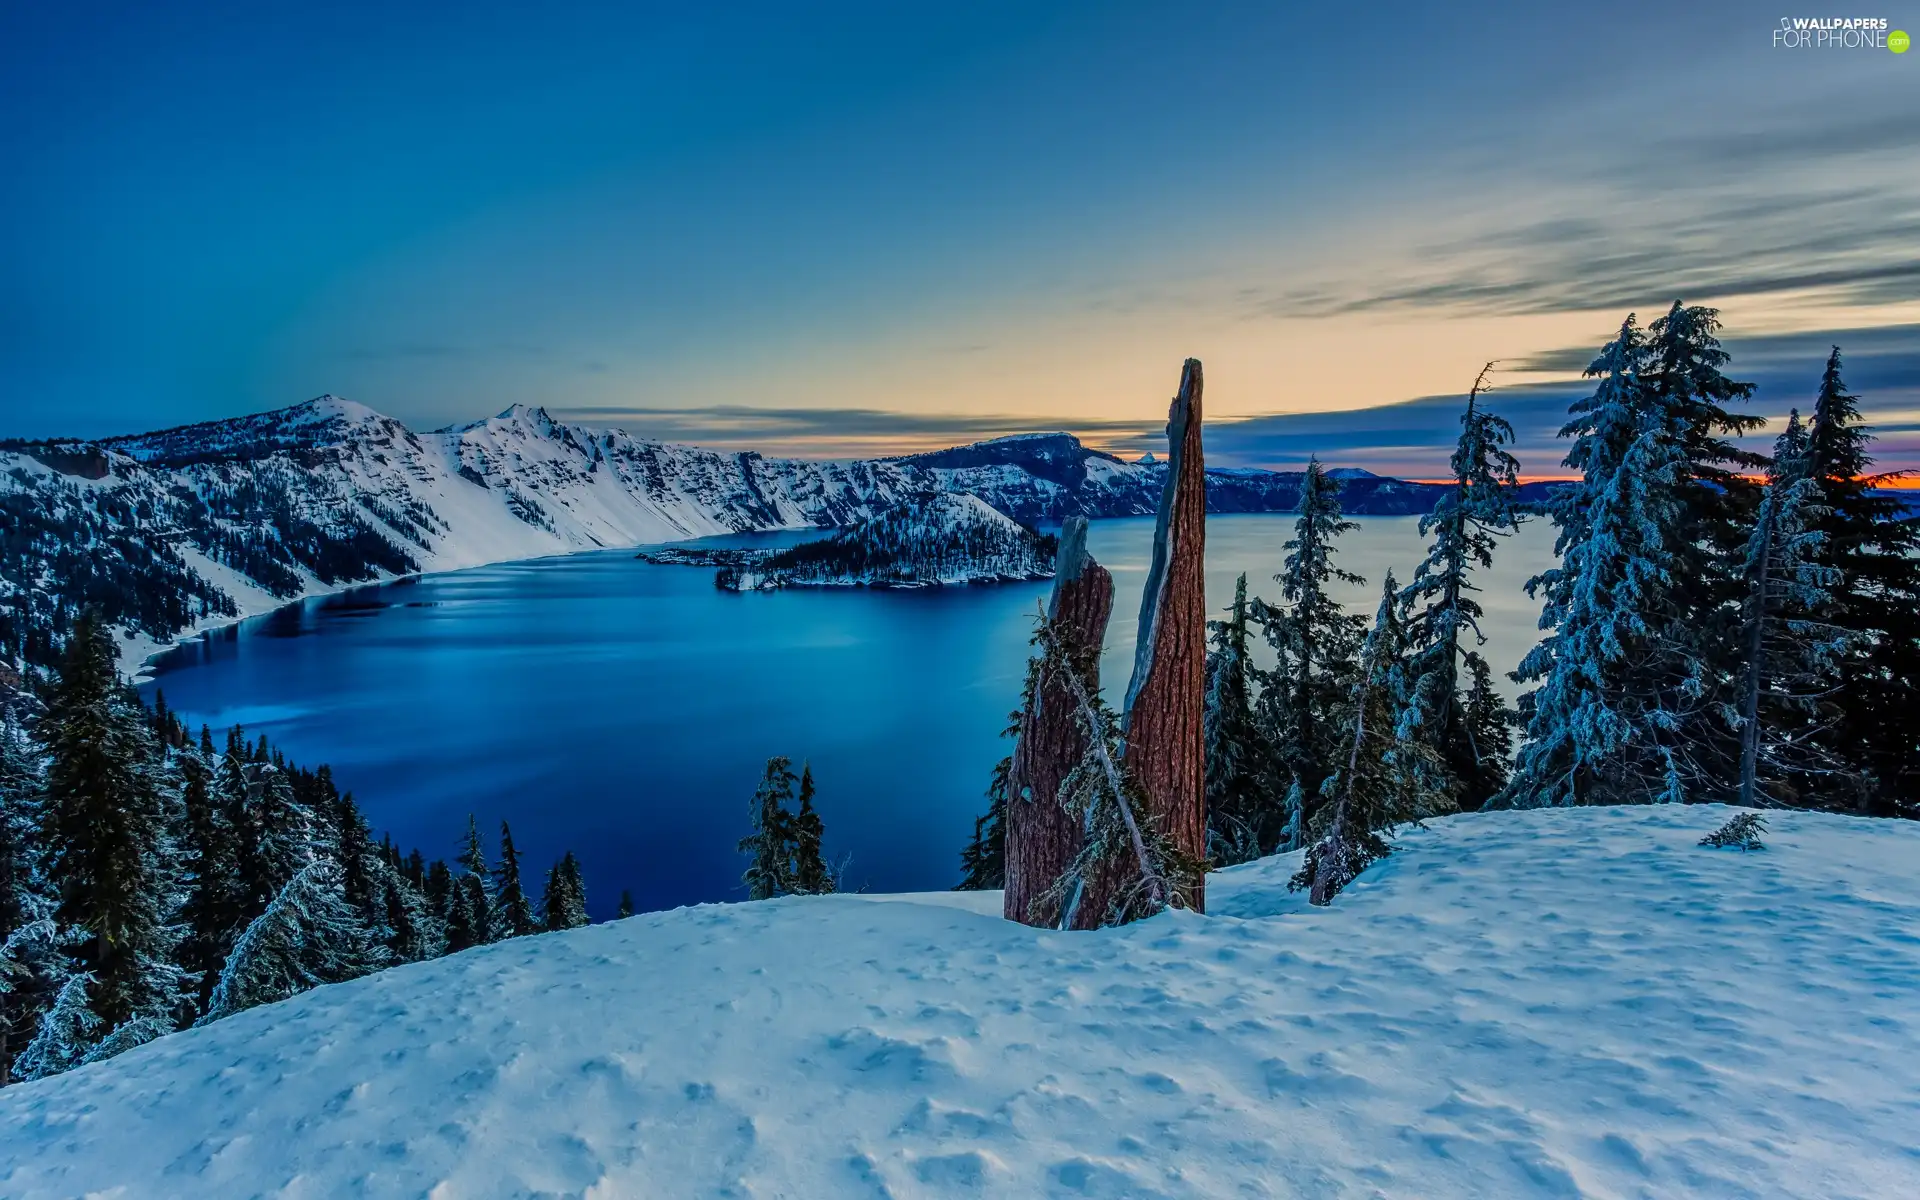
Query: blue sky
point(867, 228)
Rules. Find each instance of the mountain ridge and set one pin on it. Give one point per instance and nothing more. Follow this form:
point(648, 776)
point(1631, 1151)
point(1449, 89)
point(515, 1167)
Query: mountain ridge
point(175, 530)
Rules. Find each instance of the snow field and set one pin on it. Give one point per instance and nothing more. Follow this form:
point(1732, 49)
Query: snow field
point(1561, 1003)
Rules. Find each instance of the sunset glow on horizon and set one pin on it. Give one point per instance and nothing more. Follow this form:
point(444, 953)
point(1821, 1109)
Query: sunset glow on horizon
point(888, 231)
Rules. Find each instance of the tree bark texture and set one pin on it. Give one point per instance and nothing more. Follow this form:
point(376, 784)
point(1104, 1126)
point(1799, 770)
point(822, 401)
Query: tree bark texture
point(1165, 747)
point(1042, 837)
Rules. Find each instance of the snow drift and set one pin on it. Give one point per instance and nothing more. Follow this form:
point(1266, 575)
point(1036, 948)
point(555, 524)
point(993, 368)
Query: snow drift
point(1550, 1003)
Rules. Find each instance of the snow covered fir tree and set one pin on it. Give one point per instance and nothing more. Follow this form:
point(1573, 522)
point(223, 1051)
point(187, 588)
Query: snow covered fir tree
point(783, 847)
point(1720, 626)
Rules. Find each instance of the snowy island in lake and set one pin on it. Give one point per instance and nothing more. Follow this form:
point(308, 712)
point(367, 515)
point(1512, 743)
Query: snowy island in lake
point(931, 541)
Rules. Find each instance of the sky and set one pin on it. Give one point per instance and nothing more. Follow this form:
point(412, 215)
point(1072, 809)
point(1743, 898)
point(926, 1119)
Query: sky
point(865, 229)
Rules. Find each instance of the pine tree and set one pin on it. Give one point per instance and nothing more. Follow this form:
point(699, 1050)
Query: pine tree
point(33, 964)
point(626, 906)
point(1682, 371)
point(1618, 690)
point(576, 885)
point(1303, 706)
point(769, 847)
point(1490, 726)
point(413, 866)
point(465, 928)
point(308, 936)
point(1685, 383)
point(1245, 818)
point(1466, 525)
point(159, 720)
point(811, 877)
point(412, 933)
point(1791, 652)
point(512, 913)
point(217, 900)
point(286, 833)
point(107, 821)
point(372, 886)
point(274, 834)
point(983, 860)
point(67, 1034)
point(564, 904)
point(438, 889)
point(1742, 833)
point(551, 901)
point(34, 968)
point(1872, 549)
point(472, 922)
point(1385, 778)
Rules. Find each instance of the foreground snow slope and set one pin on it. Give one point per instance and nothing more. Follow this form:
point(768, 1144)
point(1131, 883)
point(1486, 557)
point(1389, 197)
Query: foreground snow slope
point(1553, 1004)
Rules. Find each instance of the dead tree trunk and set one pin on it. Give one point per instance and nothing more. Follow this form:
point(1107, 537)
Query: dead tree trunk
point(1165, 700)
point(1042, 837)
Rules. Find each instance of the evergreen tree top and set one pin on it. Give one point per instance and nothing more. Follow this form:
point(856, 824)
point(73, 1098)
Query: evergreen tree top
point(1308, 566)
point(473, 857)
point(1683, 373)
point(1837, 441)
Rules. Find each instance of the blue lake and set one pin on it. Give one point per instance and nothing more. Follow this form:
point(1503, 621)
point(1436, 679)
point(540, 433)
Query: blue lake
point(626, 710)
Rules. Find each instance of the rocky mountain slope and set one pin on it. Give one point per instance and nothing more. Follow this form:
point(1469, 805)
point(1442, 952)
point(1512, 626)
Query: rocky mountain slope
point(1577, 1002)
point(171, 531)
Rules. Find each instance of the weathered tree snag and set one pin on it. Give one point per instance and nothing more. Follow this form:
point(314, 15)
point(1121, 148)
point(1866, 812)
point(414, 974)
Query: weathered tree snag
point(1042, 837)
point(1162, 720)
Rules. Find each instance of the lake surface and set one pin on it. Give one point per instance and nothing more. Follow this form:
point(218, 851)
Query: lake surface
point(626, 710)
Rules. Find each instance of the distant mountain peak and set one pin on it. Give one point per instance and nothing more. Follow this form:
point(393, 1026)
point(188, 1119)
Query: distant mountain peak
point(329, 407)
point(532, 418)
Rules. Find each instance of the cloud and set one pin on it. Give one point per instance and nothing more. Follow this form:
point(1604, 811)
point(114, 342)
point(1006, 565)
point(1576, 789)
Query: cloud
point(1859, 260)
point(1823, 201)
point(1793, 139)
point(1415, 437)
point(1568, 360)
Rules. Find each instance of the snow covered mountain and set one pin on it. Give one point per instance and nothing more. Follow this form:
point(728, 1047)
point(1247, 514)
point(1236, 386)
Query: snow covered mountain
point(170, 531)
point(1556, 1003)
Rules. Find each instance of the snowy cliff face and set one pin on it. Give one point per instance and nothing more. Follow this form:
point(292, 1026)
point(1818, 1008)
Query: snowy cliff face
point(171, 531)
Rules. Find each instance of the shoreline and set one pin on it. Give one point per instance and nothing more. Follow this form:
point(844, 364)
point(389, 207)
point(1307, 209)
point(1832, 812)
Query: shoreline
point(139, 654)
